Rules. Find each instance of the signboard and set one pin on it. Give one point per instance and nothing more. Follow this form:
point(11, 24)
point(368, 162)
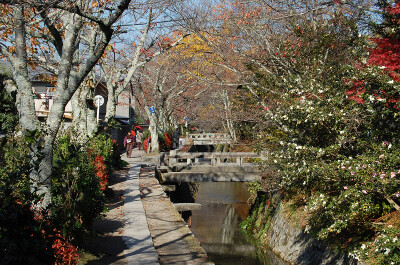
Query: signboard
point(152, 109)
point(98, 100)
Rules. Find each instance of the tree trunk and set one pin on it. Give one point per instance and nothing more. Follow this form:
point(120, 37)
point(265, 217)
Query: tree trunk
point(84, 116)
point(27, 116)
point(153, 120)
point(153, 132)
point(111, 101)
point(78, 116)
point(91, 121)
point(228, 115)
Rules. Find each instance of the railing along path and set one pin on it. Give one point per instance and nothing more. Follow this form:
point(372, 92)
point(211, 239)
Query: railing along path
point(209, 138)
point(180, 166)
point(176, 158)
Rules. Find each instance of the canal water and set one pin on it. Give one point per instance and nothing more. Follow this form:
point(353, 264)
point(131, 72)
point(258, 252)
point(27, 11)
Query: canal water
point(217, 225)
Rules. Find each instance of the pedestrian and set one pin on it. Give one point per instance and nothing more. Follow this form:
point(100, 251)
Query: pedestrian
point(133, 133)
point(139, 137)
point(175, 138)
point(129, 143)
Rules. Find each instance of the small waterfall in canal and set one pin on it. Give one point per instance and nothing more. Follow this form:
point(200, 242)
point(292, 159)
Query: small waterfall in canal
point(224, 205)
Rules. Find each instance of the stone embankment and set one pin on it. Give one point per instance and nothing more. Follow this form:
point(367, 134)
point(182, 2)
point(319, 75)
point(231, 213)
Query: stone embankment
point(296, 247)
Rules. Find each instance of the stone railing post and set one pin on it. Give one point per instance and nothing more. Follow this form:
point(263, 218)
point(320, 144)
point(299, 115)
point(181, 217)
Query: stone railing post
point(172, 160)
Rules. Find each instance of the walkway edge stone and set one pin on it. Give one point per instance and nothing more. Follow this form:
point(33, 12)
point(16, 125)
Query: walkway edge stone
point(173, 240)
point(136, 235)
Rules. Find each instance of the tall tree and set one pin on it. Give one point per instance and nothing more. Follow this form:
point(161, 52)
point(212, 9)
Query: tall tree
point(164, 84)
point(247, 37)
point(66, 38)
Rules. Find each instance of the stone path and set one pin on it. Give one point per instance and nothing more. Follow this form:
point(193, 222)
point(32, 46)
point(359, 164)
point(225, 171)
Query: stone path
point(172, 238)
point(162, 238)
point(140, 248)
point(105, 244)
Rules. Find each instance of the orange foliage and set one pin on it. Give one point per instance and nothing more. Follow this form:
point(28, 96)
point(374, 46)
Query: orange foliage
point(97, 161)
point(65, 252)
point(168, 141)
point(146, 143)
point(101, 171)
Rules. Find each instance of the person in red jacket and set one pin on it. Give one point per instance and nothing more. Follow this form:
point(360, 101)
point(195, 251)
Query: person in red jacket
point(129, 143)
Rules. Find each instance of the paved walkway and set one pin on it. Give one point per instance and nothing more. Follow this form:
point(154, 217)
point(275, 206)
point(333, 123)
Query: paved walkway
point(140, 248)
point(163, 228)
point(172, 238)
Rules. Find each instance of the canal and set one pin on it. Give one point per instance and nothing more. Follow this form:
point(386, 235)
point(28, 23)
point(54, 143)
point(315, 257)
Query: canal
point(217, 225)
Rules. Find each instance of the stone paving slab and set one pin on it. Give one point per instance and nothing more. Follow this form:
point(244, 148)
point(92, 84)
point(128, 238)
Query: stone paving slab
point(154, 232)
point(172, 238)
point(140, 248)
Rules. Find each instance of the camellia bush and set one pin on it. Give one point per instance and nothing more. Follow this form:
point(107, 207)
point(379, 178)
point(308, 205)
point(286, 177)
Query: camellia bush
point(339, 154)
point(332, 137)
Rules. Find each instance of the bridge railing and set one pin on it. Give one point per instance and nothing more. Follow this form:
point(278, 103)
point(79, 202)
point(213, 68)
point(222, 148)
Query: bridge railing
point(210, 138)
point(176, 158)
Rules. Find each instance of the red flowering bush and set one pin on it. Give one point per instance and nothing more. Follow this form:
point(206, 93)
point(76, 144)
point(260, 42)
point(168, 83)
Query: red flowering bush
point(78, 180)
point(101, 171)
point(168, 142)
point(103, 145)
point(65, 252)
point(28, 236)
point(164, 142)
point(146, 143)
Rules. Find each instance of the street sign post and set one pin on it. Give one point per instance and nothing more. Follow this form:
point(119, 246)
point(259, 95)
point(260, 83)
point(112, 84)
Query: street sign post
point(98, 101)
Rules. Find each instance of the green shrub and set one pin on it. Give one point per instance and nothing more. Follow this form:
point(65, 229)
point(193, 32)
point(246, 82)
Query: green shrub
point(103, 145)
point(258, 222)
point(77, 197)
point(24, 238)
point(8, 110)
point(27, 237)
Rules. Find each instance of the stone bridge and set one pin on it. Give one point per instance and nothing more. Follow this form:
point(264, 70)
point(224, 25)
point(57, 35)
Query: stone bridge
point(202, 167)
point(209, 138)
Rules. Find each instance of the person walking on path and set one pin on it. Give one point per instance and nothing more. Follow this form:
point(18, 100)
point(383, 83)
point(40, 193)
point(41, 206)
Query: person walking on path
point(139, 137)
point(129, 143)
point(175, 138)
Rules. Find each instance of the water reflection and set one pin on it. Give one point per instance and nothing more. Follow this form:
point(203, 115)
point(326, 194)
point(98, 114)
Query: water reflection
point(216, 224)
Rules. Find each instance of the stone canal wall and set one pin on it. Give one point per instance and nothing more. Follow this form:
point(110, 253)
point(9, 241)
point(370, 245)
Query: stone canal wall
point(296, 247)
